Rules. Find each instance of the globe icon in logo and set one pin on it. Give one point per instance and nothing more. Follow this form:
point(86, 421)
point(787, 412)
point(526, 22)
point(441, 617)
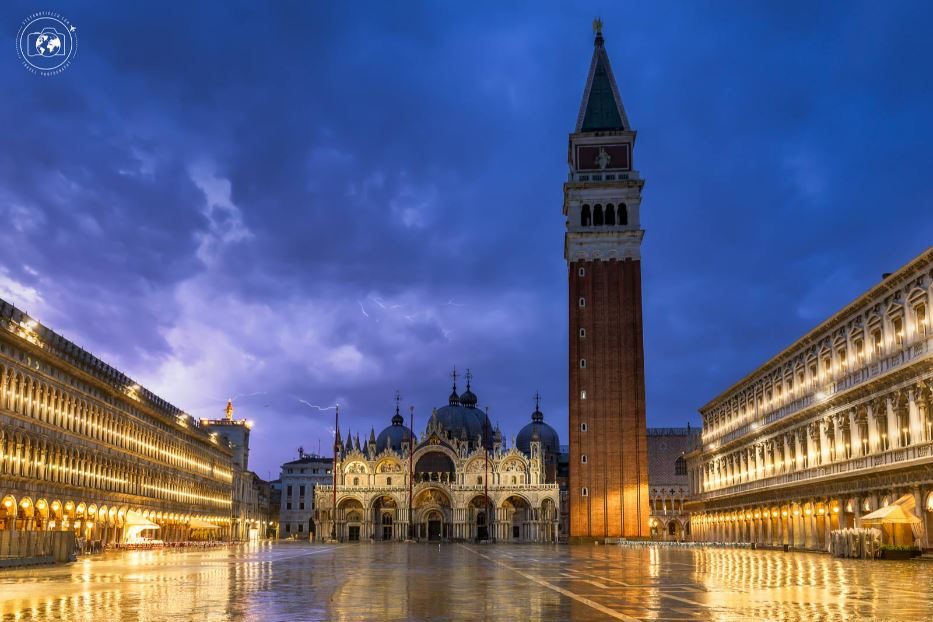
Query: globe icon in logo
point(48, 42)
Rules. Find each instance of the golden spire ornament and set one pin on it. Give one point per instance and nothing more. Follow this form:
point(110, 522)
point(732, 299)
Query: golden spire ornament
point(597, 26)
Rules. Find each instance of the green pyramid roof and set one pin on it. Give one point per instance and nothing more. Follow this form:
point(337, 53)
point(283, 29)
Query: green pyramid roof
point(601, 109)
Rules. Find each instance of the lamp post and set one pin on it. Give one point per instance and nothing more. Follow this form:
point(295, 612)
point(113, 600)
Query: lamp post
point(486, 473)
point(333, 529)
point(411, 471)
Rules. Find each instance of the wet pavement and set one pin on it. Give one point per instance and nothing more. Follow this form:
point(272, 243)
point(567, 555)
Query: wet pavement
point(468, 582)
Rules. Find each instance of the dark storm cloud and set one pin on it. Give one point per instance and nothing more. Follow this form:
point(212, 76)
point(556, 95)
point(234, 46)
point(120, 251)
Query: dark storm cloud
point(323, 201)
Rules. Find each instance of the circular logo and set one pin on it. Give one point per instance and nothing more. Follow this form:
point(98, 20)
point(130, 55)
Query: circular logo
point(46, 43)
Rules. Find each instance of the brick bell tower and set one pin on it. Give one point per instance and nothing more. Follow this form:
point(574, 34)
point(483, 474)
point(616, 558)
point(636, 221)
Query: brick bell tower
point(608, 491)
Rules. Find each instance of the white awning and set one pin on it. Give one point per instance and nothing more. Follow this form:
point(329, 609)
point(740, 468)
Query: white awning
point(898, 512)
point(197, 523)
point(135, 519)
point(135, 524)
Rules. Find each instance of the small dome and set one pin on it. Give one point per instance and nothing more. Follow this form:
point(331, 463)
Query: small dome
point(537, 430)
point(468, 398)
point(393, 436)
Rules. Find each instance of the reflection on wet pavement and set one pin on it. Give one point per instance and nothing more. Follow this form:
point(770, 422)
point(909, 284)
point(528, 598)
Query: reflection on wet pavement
point(468, 582)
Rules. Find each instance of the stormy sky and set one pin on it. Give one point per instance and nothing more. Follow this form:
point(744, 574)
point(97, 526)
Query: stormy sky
point(295, 203)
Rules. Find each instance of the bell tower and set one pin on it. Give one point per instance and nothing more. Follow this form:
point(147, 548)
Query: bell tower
point(608, 490)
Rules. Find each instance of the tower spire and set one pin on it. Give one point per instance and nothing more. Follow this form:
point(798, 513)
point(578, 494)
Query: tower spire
point(601, 109)
point(229, 410)
point(602, 246)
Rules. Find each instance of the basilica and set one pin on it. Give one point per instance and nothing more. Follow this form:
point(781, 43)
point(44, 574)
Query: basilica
point(458, 480)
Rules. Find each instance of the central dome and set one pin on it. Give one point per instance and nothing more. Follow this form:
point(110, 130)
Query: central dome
point(461, 421)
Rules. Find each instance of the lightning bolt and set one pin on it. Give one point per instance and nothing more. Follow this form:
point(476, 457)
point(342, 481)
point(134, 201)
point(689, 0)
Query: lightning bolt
point(314, 406)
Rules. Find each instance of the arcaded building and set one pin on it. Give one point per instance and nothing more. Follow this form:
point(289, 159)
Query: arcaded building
point(455, 481)
point(608, 490)
point(668, 482)
point(85, 448)
point(835, 426)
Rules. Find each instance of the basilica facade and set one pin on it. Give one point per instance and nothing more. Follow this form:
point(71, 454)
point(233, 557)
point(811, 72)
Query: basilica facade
point(458, 480)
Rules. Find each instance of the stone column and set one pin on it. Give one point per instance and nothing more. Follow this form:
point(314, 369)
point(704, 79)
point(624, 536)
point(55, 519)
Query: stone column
point(822, 429)
point(874, 434)
point(916, 425)
point(894, 433)
point(919, 510)
point(855, 435)
point(798, 451)
point(786, 463)
point(812, 539)
point(924, 423)
point(827, 524)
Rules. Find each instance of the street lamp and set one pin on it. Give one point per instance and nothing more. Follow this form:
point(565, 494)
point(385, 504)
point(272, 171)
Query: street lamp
point(333, 529)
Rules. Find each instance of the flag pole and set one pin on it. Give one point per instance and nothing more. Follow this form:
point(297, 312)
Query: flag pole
point(411, 471)
point(486, 476)
point(333, 533)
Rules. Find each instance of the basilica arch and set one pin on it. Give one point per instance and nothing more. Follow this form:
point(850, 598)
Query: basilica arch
point(432, 514)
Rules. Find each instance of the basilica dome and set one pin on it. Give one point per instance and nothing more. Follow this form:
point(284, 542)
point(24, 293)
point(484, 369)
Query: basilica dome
point(393, 436)
point(550, 443)
point(461, 419)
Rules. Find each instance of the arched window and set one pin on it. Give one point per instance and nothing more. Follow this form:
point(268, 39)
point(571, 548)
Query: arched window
point(583, 459)
point(623, 214)
point(680, 466)
point(585, 216)
point(356, 481)
point(584, 492)
point(598, 216)
point(610, 216)
point(388, 481)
